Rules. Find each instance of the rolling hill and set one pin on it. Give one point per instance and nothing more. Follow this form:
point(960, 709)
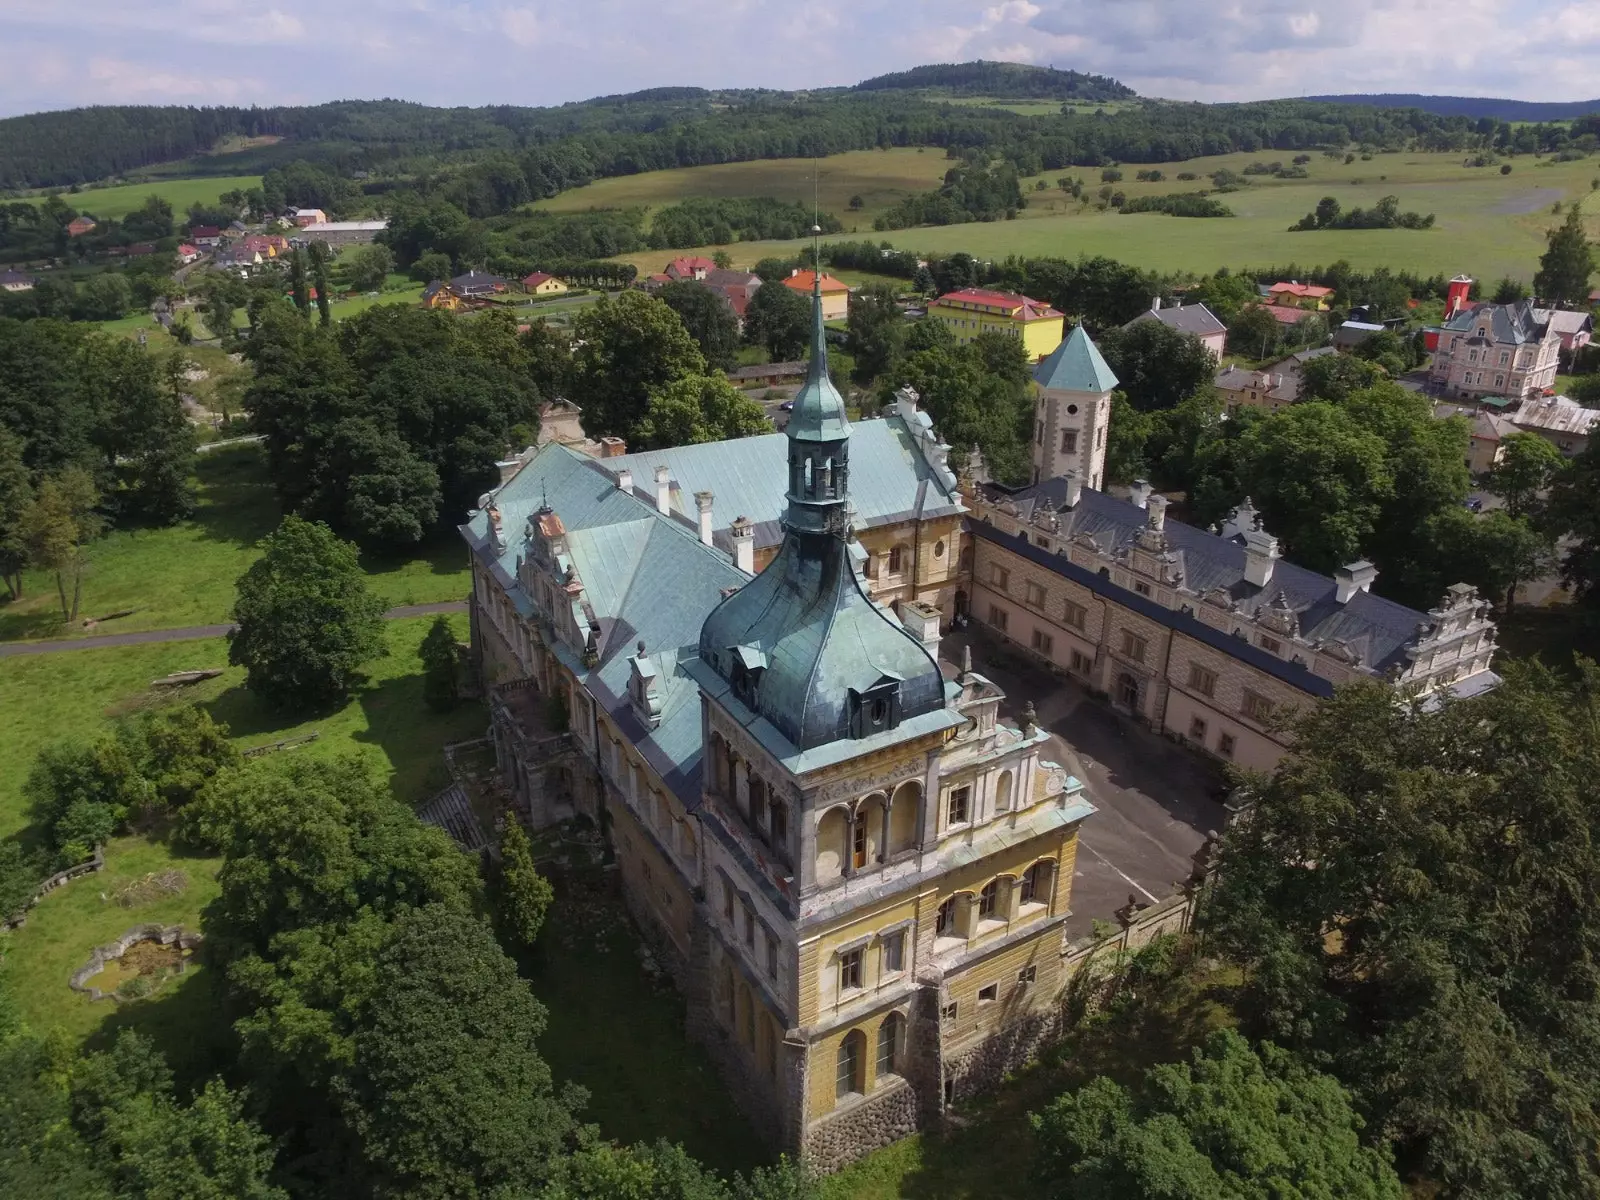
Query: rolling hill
point(1471, 106)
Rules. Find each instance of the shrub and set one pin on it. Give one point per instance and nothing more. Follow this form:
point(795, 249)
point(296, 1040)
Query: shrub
point(1111, 175)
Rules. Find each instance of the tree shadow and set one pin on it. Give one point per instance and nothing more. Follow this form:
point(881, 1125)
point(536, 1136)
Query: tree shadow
point(247, 715)
point(443, 551)
point(237, 500)
point(19, 625)
point(412, 736)
point(187, 1023)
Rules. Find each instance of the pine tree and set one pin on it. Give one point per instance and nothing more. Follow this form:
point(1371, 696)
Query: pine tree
point(525, 895)
point(1567, 263)
point(297, 282)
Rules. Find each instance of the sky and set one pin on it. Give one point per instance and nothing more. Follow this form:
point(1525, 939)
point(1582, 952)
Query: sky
point(473, 52)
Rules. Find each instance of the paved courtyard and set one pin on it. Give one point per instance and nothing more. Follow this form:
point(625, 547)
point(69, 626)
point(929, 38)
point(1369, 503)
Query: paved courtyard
point(1155, 800)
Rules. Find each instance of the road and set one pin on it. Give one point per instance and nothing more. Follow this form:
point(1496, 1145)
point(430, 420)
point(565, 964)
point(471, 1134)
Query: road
point(191, 633)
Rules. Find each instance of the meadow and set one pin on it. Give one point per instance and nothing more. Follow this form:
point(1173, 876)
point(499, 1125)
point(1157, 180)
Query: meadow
point(121, 199)
point(1488, 225)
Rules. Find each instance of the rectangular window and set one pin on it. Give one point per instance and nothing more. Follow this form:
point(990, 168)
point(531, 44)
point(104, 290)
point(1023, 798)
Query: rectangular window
point(1000, 577)
point(1256, 707)
point(1142, 589)
point(960, 803)
point(1043, 642)
point(1075, 614)
point(1081, 662)
point(894, 953)
point(1035, 595)
point(749, 929)
point(1225, 745)
point(1027, 975)
point(1069, 441)
point(895, 555)
point(997, 616)
point(1197, 730)
point(1270, 645)
point(1202, 680)
point(1133, 645)
point(849, 970)
point(988, 995)
point(772, 957)
point(950, 1011)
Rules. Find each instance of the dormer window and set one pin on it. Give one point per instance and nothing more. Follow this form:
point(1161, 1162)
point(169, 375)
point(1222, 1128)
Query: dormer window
point(875, 709)
point(747, 665)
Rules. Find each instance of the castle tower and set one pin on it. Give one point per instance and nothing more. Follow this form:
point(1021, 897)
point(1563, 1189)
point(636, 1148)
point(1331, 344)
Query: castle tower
point(1072, 411)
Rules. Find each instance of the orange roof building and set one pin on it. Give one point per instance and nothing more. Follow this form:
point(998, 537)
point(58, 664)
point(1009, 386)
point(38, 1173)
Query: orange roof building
point(972, 311)
point(835, 293)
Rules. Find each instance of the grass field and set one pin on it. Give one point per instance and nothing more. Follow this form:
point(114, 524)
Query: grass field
point(1488, 224)
point(185, 575)
point(119, 201)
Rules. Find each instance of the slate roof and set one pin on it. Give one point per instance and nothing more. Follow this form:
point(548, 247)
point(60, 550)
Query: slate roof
point(476, 281)
point(1380, 629)
point(890, 481)
point(1510, 324)
point(1187, 318)
point(1564, 320)
point(15, 277)
point(1075, 366)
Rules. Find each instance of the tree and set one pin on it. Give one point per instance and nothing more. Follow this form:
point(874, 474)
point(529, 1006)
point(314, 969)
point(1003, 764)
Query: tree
point(1126, 440)
point(721, 259)
point(1509, 291)
point(16, 495)
point(179, 751)
point(319, 280)
point(104, 297)
point(151, 221)
point(430, 266)
point(80, 793)
point(367, 267)
point(1157, 367)
point(1336, 377)
point(1566, 264)
point(1408, 897)
point(778, 318)
point(441, 667)
point(525, 895)
point(626, 348)
point(147, 438)
point(974, 400)
point(305, 621)
point(1527, 467)
point(699, 408)
point(57, 526)
point(1498, 551)
point(1232, 1122)
point(708, 318)
point(877, 331)
point(42, 1155)
point(299, 290)
point(1254, 333)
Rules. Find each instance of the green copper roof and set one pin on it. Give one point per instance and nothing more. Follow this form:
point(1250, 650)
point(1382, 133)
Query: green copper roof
point(818, 414)
point(1075, 366)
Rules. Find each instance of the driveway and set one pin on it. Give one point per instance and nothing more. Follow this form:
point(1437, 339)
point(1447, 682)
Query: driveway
point(1155, 800)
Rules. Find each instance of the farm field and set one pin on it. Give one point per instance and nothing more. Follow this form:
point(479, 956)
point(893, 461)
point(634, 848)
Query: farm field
point(122, 199)
point(881, 177)
point(184, 575)
point(1488, 224)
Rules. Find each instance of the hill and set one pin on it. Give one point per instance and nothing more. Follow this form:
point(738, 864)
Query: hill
point(1003, 80)
point(1470, 106)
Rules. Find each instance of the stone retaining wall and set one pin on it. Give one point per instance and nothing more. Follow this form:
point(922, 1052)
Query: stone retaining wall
point(88, 867)
point(164, 935)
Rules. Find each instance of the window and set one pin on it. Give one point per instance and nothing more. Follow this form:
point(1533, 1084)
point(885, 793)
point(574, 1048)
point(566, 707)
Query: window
point(1035, 595)
point(894, 952)
point(1035, 885)
point(1197, 730)
point(1499, 381)
point(938, 549)
point(1133, 645)
point(1202, 680)
point(1069, 441)
point(960, 803)
point(950, 1011)
point(1000, 577)
point(944, 925)
point(890, 1038)
point(988, 900)
point(1256, 707)
point(988, 995)
point(1141, 588)
point(1002, 792)
point(847, 1079)
point(1127, 691)
point(1505, 357)
point(849, 970)
point(1043, 642)
point(858, 843)
point(1081, 662)
point(772, 957)
point(1270, 645)
point(758, 806)
point(749, 928)
point(1027, 975)
point(1074, 614)
point(1225, 745)
point(997, 616)
point(727, 902)
point(896, 555)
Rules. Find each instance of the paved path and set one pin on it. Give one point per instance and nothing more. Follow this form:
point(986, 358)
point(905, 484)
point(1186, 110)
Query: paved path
point(192, 633)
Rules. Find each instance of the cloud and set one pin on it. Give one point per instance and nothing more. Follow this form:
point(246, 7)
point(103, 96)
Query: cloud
point(540, 52)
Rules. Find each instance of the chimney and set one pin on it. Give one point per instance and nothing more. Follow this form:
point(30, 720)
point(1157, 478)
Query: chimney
point(1074, 489)
point(1260, 553)
point(702, 503)
point(624, 480)
point(1352, 578)
point(1140, 492)
point(663, 490)
point(743, 537)
point(1156, 517)
point(921, 621)
point(612, 447)
point(1155, 303)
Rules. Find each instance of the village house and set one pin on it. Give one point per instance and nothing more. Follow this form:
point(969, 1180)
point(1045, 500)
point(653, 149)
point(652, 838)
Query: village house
point(79, 226)
point(1562, 422)
point(542, 283)
point(475, 284)
point(767, 374)
point(1486, 441)
point(1274, 386)
point(1575, 329)
point(342, 233)
point(972, 311)
point(16, 281)
point(736, 288)
point(1500, 350)
point(302, 217)
point(689, 268)
point(205, 235)
point(856, 873)
point(187, 253)
point(1294, 294)
point(1351, 334)
point(835, 294)
point(441, 296)
point(1194, 319)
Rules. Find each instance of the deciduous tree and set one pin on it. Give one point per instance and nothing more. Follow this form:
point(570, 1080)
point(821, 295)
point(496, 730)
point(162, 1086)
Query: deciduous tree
point(778, 318)
point(1567, 263)
point(707, 317)
point(524, 896)
point(58, 524)
point(627, 348)
point(699, 408)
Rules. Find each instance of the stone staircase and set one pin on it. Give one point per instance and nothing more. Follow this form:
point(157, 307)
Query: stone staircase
point(452, 812)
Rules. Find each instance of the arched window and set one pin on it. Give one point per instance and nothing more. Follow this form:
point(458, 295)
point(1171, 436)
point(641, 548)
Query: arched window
point(847, 1076)
point(1036, 881)
point(1002, 793)
point(905, 816)
point(989, 900)
point(891, 1039)
point(944, 924)
point(832, 845)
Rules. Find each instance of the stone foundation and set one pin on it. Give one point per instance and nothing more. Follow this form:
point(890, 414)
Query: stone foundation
point(972, 1071)
point(892, 1112)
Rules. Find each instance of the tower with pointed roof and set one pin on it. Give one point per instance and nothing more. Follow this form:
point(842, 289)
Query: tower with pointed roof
point(1072, 412)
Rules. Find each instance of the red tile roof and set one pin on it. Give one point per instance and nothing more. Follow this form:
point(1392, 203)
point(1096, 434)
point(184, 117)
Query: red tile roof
point(536, 278)
point(1308, 290)
point(685, 268)
point(1286, 314)
point(1022, 308)
point(801, 281)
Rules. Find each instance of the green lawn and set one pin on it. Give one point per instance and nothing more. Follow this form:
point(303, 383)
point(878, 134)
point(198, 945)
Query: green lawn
point(1488, 224)
point(46, 697)
point(119, 201)
point(185, 575)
